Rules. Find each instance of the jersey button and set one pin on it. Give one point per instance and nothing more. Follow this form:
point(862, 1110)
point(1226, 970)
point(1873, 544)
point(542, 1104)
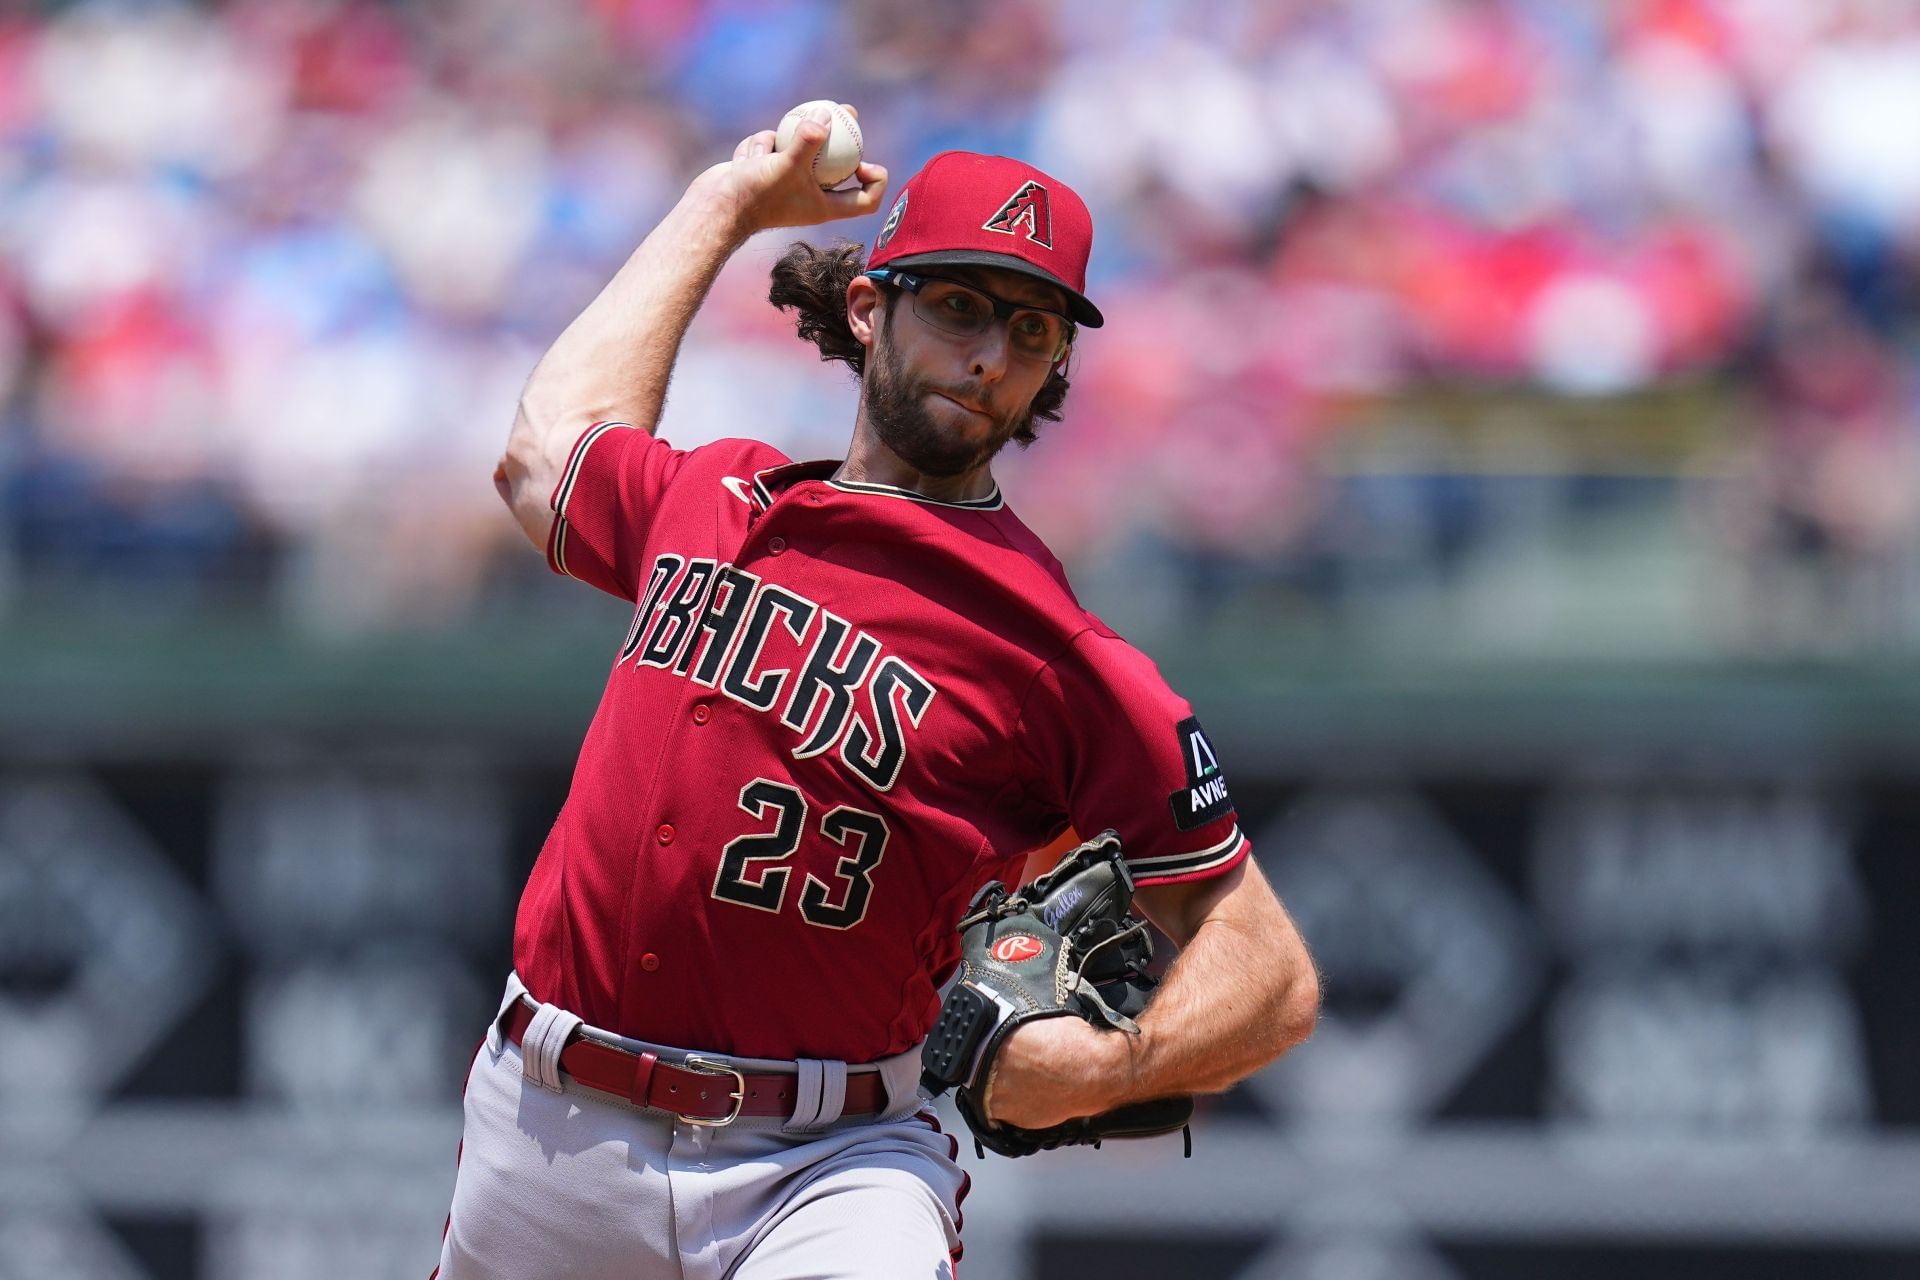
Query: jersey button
point(701, 715)
point(649, 962)
point(776, 545)
point(665, 834)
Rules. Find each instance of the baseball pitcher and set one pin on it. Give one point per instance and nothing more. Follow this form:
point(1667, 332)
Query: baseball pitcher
point(783, 905)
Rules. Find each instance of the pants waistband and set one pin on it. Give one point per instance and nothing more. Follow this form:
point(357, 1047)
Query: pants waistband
point(708, 1089)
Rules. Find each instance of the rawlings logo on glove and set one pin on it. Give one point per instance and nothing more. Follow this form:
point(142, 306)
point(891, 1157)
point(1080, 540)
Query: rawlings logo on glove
point(1063, 945)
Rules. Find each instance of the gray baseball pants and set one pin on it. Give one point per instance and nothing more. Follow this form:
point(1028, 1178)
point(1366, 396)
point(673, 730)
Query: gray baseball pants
point(578, 1183)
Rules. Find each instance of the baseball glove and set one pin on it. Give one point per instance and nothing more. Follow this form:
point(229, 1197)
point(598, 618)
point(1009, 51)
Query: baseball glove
point(1064, 945)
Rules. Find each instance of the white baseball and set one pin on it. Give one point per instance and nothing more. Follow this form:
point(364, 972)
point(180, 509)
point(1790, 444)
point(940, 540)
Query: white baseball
point(839, 155)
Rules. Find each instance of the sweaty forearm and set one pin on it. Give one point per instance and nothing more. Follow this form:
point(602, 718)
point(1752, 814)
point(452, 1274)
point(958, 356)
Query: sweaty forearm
point(614, 361)
point(1242, 992)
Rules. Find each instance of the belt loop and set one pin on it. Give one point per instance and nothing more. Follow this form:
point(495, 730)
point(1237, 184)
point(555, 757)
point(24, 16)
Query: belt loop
point(540, 1046)
point(496, 1030)
point(901, 1074)
point(806, 1096)
point(833, 1093)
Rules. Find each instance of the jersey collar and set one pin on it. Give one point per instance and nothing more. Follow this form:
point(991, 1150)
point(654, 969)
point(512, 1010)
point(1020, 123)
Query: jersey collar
point(769, 484)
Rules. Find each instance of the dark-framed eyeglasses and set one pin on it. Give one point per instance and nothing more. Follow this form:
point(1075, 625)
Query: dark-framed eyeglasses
point(1034, 334)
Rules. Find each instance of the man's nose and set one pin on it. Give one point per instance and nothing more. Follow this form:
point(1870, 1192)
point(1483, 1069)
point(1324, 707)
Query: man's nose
point(990, 353)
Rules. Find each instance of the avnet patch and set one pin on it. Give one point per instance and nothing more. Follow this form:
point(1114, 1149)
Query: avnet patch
point(1205, 797)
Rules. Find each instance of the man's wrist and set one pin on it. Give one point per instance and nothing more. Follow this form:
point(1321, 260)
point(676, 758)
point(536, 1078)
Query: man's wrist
point(1116, 1068)
point(717, 205)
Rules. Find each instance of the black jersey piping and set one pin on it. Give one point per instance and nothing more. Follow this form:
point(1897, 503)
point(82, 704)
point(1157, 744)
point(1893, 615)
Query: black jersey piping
point(991, 502)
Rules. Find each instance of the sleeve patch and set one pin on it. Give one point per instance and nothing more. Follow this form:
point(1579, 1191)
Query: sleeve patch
point(1205, 797)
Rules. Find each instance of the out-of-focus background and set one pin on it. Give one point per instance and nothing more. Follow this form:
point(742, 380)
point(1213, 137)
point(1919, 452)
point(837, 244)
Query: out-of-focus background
point(1505, 433)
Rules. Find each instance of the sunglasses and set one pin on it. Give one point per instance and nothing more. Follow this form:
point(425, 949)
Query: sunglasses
point(1034, 334)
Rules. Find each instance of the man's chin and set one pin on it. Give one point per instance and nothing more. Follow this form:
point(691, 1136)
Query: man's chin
point(981, 432)
point(934, 435)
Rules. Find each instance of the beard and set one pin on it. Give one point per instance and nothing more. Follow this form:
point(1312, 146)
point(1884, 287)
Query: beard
point(896, 408)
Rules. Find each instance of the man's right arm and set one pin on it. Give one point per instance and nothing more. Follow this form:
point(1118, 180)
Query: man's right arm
point(614, 361)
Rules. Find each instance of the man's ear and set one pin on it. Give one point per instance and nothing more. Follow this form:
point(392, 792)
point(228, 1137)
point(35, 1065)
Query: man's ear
point(863, 310)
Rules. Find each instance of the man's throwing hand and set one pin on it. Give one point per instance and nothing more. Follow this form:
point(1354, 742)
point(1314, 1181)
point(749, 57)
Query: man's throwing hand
point(766, 188)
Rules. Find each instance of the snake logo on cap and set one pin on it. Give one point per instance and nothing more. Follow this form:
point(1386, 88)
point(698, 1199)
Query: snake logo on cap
point(893, 221)
point(1027, 206)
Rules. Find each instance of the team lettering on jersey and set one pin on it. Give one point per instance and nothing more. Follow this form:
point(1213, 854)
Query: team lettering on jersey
point(709, 621)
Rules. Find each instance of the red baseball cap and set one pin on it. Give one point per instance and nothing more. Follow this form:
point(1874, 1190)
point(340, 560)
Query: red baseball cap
point(966, 209)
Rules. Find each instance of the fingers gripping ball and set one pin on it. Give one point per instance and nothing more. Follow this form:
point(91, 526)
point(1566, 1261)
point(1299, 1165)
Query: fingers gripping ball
point(840, 154)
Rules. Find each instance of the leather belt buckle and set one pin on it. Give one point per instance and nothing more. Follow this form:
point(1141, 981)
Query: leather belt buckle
point(693, 1062)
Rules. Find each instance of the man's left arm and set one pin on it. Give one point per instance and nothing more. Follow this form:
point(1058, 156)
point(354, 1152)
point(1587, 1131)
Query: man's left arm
point(1242, 991)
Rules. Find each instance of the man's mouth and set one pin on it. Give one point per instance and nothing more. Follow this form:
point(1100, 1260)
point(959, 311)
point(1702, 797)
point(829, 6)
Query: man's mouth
point(963, 404)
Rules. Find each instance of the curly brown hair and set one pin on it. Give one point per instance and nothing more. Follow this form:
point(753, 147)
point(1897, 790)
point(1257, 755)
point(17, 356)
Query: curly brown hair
point(812, 283)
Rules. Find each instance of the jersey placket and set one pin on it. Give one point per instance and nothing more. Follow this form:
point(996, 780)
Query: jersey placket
point(694, 636)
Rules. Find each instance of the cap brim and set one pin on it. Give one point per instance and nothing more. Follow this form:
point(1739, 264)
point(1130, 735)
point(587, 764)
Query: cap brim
point(1082, 311)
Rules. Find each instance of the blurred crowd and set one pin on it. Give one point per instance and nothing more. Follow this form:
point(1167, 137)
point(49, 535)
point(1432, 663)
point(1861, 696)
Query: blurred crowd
point(273, 271)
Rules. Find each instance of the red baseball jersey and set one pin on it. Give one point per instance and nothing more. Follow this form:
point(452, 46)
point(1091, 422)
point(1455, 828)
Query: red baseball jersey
point(839, 710)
